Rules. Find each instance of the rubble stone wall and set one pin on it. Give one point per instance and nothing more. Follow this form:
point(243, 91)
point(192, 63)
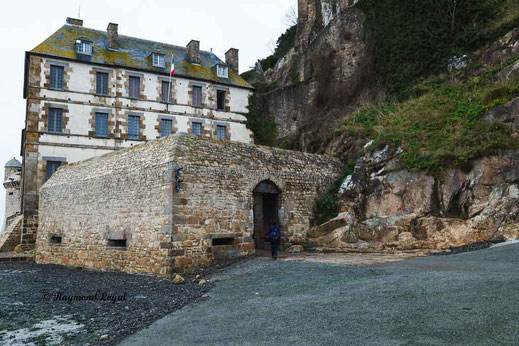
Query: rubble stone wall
point(330, 26)
point(131, 195)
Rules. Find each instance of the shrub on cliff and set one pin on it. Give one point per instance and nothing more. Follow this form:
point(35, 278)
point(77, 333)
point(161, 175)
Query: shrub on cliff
point(327, 206)
point(284, 43)
point(263, 126)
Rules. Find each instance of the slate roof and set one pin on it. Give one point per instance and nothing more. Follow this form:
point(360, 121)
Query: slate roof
point(134, 53)
point(13, 163)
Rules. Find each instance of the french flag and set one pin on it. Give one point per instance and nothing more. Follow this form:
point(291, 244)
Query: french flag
point(172, 72)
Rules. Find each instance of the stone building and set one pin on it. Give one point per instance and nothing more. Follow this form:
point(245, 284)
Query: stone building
point(178, 202)
point(91, 92)
point(10, 231)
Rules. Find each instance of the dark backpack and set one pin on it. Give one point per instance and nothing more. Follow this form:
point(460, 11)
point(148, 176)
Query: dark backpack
point(273, 235)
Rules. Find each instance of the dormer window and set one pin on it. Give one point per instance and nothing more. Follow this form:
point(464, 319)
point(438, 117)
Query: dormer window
point(159, 60)
point(84, 47)
point(222, 71)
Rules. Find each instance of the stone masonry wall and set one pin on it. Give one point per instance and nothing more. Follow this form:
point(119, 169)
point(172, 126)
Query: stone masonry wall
point(122, 205)
point(131, 195)
point(331, 33)
point(30, 175)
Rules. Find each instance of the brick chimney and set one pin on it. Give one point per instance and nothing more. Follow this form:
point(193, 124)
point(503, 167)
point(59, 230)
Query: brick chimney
point(74, 21)
point(232, 59)
point(193, 51)
point(113, 34)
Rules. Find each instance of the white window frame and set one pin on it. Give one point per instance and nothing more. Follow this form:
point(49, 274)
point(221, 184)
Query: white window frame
point(222, 71)
point(158, 60)
point(84, 47)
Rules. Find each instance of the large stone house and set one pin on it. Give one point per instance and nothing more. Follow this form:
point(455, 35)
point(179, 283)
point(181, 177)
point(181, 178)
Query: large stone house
point(177, 203)
point(91, 92)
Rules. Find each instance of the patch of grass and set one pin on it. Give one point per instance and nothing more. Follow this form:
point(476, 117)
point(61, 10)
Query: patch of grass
point(290, 143)
point(442, 128)
point(509, 16)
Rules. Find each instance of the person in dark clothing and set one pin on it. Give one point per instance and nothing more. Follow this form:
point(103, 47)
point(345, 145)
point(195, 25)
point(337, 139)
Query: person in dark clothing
point(274, 237)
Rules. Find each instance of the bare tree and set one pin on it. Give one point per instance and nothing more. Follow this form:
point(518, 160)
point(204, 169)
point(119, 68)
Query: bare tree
point(271, 45)
point(452, 9)
point(291, 16)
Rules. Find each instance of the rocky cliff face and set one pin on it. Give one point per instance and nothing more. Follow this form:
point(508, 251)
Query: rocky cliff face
point(383, 204)
point(386, 207)
point(328, 63)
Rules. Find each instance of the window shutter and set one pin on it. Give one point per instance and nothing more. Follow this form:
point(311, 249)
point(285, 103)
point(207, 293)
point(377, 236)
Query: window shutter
point(166, 127)
point(221, 132)
point(133, 126)
point(55, 120)
point(52, 167)
point(196, 129)
point(197, 96)
point(165, 92)
point(101, 124)
point(102, 83)
point(56, 77)
point(135, 87)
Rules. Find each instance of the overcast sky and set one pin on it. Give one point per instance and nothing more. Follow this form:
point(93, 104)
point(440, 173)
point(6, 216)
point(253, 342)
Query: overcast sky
point(249, 25)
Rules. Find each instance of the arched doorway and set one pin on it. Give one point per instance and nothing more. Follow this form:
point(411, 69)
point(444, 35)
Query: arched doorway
point(266, 205)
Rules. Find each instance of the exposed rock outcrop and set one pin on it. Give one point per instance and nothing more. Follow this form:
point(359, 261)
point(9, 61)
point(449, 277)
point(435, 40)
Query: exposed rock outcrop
point(405, 210)
point(387, 207)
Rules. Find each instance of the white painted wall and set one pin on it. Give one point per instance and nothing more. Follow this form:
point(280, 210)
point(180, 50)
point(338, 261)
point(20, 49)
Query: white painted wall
point(239, 100)
point(70, 153)
point(80, 85)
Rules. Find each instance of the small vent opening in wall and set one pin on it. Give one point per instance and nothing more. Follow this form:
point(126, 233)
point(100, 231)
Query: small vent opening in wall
point(56, 239)
point(119, 243)
point(223, 241)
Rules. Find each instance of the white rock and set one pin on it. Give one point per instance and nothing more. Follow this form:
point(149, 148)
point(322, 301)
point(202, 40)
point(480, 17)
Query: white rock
point(346, 185)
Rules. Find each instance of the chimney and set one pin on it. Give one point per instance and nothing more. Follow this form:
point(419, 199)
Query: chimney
point(113, 35)
point(193, 51)
point(74, 21)
point(232, 59)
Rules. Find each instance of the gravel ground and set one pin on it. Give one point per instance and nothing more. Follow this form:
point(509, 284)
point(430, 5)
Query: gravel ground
point(33, 311)
point(465, 299)
point(453, 250)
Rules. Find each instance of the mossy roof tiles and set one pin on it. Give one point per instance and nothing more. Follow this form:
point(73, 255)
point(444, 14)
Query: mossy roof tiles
point(133, 52)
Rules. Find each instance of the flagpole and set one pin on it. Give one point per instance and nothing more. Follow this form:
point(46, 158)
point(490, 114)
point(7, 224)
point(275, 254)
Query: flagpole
point(170, 78)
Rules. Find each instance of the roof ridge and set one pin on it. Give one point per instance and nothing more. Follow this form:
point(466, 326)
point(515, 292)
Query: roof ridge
point(141, 39)
point(134, 52)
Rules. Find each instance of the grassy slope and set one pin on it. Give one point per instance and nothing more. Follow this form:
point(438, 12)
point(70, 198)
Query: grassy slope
point(437, 120)
point(445, 127)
